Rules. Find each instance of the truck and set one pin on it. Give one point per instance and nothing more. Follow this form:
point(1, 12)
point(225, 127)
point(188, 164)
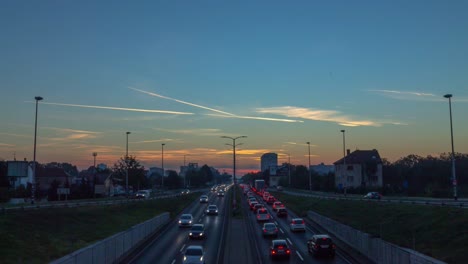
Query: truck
point(259, 185)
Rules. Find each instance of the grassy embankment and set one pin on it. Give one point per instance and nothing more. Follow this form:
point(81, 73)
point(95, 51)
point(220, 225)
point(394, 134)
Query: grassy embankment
point(40, 236)
point(440, 232)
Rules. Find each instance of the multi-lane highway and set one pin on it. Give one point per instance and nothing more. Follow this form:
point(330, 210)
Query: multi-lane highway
point(169, 246)
point(296, 240)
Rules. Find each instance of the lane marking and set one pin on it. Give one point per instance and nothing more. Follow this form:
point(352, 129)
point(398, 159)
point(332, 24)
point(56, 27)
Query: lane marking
point(299, 255)
point(182, 249)
point(173, 261)
point(289, 241)
point(276, 222)
point(199, 220)
point(281, 230)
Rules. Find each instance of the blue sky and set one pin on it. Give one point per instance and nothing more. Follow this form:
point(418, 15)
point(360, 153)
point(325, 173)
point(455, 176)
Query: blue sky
point(280, 73)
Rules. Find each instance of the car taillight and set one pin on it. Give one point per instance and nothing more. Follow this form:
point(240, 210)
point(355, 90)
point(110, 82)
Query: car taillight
point(280, 247)
point(276, 229)
point(288, 251)
point(264, 230)
point(273, 252)
point(302, 222)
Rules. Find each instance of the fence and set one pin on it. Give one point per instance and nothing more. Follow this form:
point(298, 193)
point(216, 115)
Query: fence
point(112, 248)
point(374, 248)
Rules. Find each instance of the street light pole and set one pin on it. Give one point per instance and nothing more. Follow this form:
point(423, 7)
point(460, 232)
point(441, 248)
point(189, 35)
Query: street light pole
point(162, 164)
point(289, 170)
point(344, 161)
point(310, 175)
point(94, 155)
point(454, 177)
point(33, 186)
point(126, 167)
point(234, 162)
point(185, 173)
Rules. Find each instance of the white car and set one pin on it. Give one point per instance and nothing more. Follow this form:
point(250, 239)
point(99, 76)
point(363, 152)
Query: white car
point(186, 220)
point(194, 254)
point(297, 224)
point(204, 199)
point(263, 215)
point(143, 194)
point(212, 209)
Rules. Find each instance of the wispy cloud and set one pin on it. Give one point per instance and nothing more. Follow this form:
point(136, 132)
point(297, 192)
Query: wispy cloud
point(180, 101)
point(6, 145)
point(69, 130)
point(220, 113)
point(417, 96)
point(155, 141)
point(404, 93)
point(318, 115)
point(16, 135)
point(299, 144)
point(121, 108)
point(198, 132)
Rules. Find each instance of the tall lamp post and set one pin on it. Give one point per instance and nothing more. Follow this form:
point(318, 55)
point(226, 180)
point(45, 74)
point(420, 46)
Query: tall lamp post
point(310, 175)
point(454, 177)
point(33, 186)
point(126, 167)
point(94, 155)
point(162, 164)
point(185, 173)
point(344, 161)
point(234, 162)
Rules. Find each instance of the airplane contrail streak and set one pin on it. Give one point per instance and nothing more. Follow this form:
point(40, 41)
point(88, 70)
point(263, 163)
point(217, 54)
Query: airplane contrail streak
point(260, 118)
point(182, 102)
point(121, 108)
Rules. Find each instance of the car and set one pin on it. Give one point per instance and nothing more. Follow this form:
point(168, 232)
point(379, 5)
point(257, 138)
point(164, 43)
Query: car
point(270, 229)
point(279, 188)
point(142, 194)
point(194, 254)
point(373, 195)
point(252, 205)
point(270, 199)
point(265, 196)
point(282, 212)
point(297, 224)
point(221, 194)
point(321, 245)
point(187, 191)
point(263, 215)
point(186, 220)
point(279, 248)
point(277, 205)
point(257, 206)
point(197, 231)
point(204, 199)
point(212, 209)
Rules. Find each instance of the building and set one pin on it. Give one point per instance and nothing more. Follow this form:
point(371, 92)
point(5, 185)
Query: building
point(361, 168)
point(268, 160)
point(19, 173)
point(323, 169)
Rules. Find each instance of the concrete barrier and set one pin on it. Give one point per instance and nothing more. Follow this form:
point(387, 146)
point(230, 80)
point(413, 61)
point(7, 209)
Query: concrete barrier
point(112, 248)
point(374, 248)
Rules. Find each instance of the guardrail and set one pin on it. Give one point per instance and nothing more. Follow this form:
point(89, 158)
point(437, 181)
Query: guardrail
point(78, 203)
point(374, 248)
point(112, 248)
point(433, 202)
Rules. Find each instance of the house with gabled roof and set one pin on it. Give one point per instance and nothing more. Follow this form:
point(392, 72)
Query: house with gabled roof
point(361, 168)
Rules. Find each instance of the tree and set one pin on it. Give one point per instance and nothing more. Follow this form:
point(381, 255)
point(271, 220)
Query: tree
point(173, 180)
point(136, 173)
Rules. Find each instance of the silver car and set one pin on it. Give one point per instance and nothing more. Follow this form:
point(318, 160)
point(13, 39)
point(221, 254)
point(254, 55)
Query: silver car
point(297, 224)
point(186, 220)
point(194, 255)
point(212, 209)
point(263, 215)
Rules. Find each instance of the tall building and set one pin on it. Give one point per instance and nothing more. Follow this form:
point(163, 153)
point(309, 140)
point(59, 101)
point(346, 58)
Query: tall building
point(268, 160)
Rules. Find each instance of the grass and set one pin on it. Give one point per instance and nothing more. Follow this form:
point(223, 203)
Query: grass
point(440, 232)
point(39, 236)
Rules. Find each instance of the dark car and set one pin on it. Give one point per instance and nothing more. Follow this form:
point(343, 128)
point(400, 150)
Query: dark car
point(270, 200)
point(373, 195)
point(270, 229)
point(197, 231)
point(279, 249)
point(321, 245)
point(282, 212)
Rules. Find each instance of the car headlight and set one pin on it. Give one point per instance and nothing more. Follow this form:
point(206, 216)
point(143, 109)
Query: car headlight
point(180, 222)
point(190, 221)
point(190, 233)
point(216, 211)
point(201, 258)
point(185, 258)
point(201, 234)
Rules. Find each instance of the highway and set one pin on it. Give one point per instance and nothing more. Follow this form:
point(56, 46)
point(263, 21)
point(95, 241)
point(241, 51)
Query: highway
point(169, 245)
point(296, 240)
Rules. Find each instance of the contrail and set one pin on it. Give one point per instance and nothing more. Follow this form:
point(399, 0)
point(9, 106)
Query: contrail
point(182, 102)
point(259, 118)
point(121, 108)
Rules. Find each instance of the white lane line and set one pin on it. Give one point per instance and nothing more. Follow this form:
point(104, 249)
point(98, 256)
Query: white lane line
point(281, 230)
point(173, 261)
point(299, 255)
point(199, 220)
point(289, 241)
point(276, 222)
point(182, 249)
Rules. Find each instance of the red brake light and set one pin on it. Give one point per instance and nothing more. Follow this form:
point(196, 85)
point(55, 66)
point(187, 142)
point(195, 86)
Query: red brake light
point(280, 247)
point(273, 252)
point(324, 238)
point(288, 251)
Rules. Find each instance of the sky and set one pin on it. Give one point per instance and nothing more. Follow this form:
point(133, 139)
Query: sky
point(186, 73)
